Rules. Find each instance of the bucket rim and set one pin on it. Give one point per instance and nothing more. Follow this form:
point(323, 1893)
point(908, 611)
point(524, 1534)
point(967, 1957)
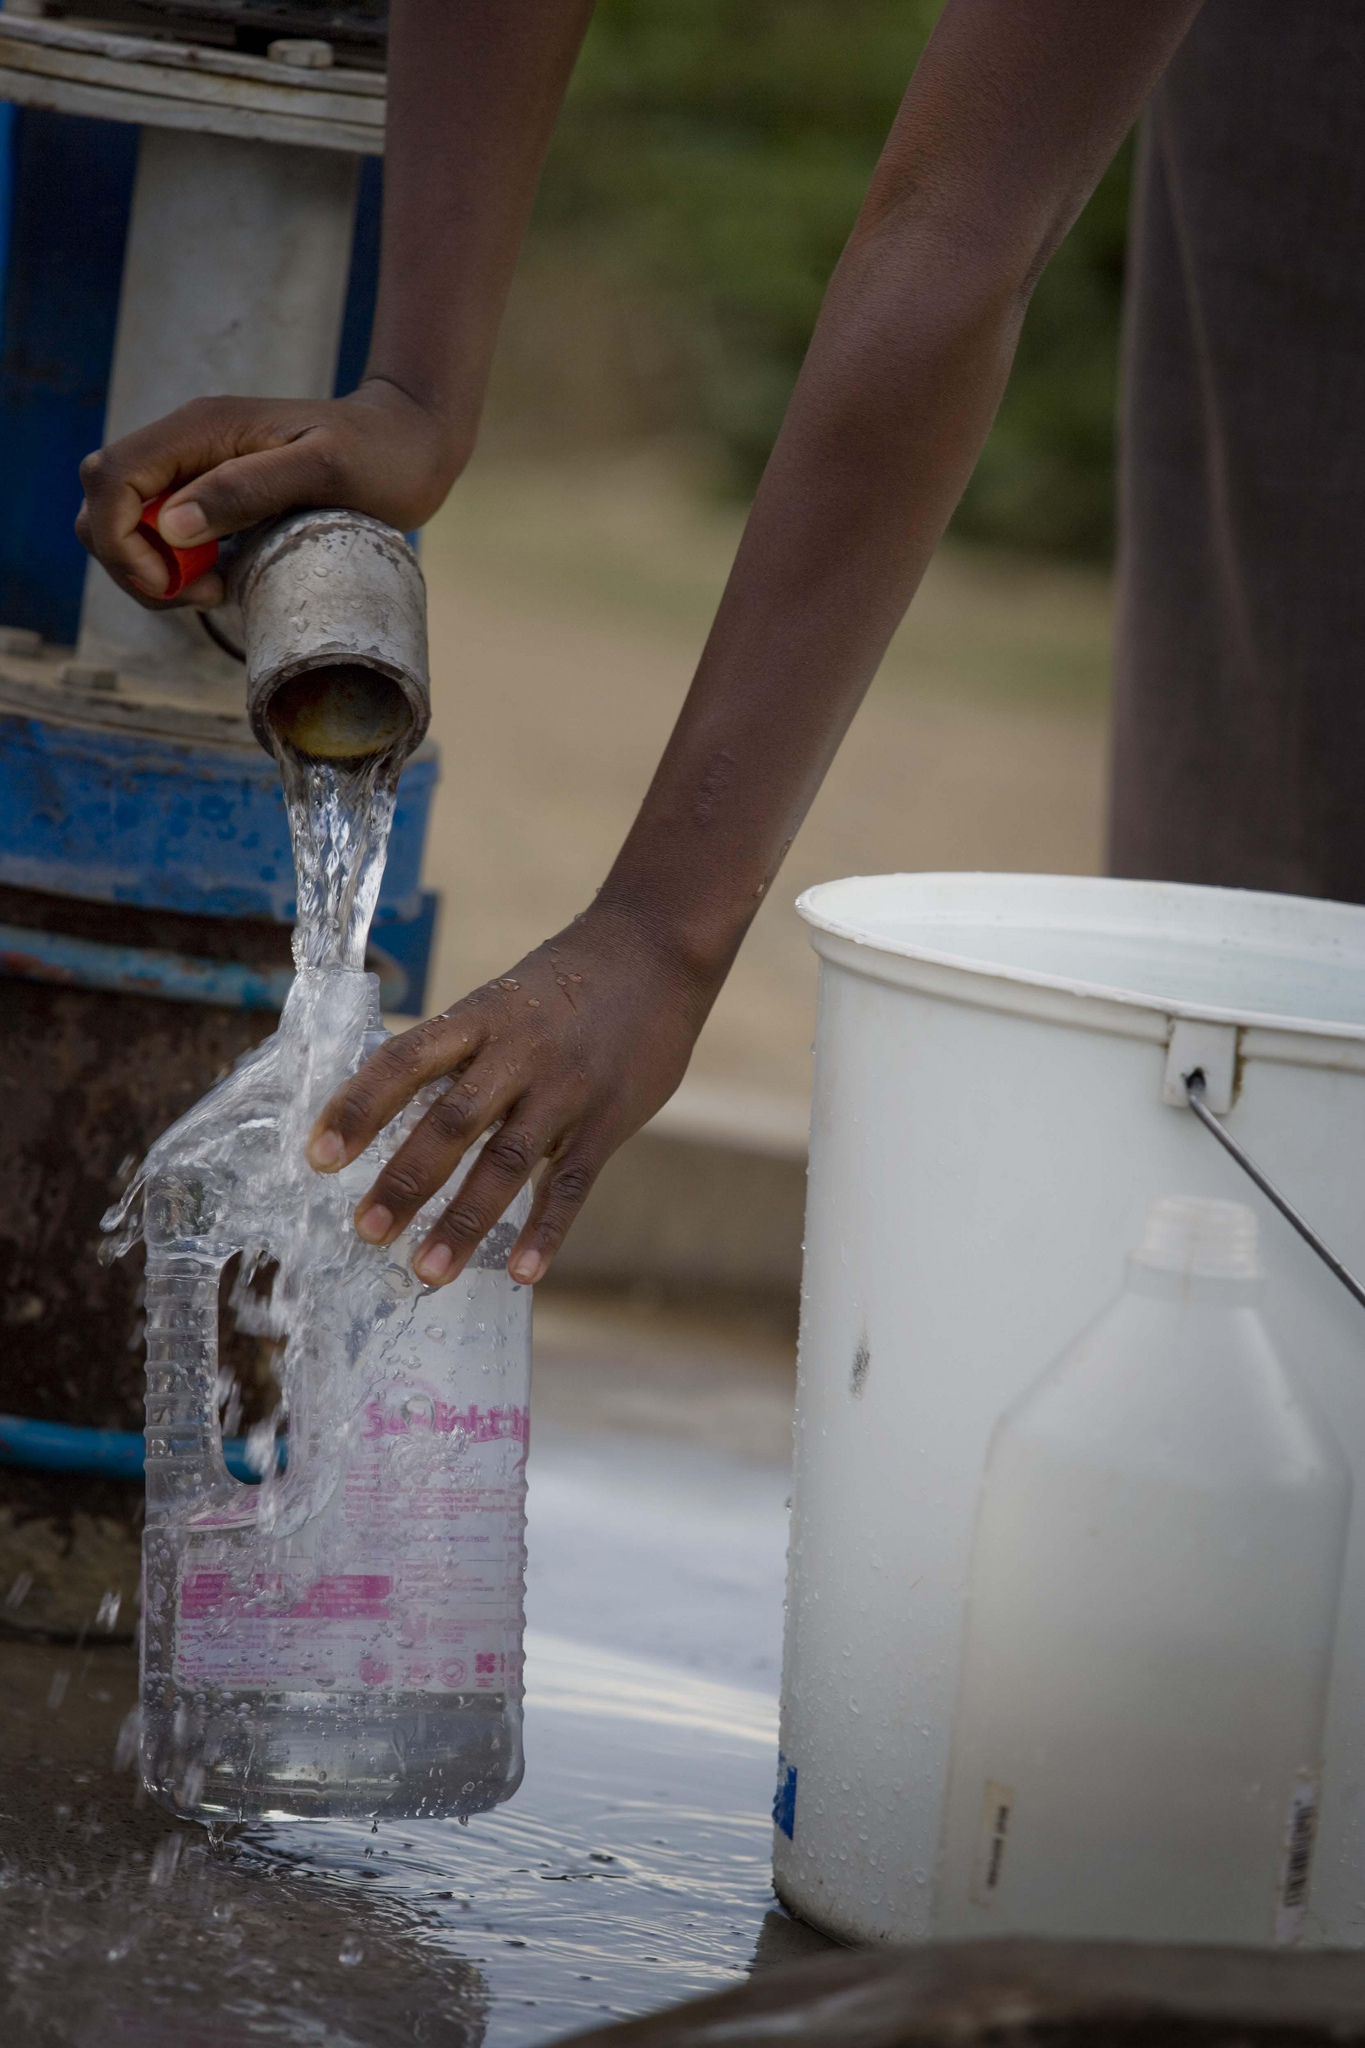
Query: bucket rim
point(1313, 928)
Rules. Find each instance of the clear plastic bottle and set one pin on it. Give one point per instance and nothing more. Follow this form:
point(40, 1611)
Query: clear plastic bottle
point(1137, 1743)
point(346, 1637)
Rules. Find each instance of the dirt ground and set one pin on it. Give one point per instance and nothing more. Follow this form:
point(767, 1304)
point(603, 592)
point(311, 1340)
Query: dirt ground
point(569, 602)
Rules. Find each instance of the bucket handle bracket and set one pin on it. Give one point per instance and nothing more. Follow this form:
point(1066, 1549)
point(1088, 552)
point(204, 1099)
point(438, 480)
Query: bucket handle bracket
point(1196, 1094)
point(1197, 1042)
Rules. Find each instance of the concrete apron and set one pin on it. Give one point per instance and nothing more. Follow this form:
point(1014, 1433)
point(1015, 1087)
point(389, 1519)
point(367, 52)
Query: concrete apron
point(119, 1925)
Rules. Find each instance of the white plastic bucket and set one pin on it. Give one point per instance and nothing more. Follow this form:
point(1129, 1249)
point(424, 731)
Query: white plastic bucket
point(996, 1105)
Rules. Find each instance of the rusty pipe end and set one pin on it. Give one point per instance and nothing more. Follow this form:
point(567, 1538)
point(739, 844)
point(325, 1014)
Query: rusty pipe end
point(334, 622)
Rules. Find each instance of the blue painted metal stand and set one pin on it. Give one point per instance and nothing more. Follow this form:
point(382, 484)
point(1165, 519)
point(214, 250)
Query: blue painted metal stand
point(98, 814)
point(170, 824)
point(173, 825)
point(66, 186)
point(85, 811)
point(70, 184)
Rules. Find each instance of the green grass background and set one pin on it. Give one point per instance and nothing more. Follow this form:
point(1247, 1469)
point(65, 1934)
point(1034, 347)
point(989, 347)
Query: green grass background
point(713, 154)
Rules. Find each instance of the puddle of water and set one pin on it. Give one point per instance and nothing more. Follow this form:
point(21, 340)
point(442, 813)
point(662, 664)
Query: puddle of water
point(633, 1868)
point(117, 1925)
point(630, 1872)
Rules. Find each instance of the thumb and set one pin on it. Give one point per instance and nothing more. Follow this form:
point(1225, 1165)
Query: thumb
point(248, 488)
point(198, 441)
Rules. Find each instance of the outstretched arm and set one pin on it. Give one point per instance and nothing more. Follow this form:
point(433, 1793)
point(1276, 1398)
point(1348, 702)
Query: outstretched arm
point(1014, 111)
point(475, 87)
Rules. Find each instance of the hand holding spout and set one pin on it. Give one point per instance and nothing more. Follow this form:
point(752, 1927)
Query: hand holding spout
point(249, 459)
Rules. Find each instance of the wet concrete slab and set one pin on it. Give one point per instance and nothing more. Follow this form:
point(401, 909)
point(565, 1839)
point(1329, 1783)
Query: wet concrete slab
point(630, 1872)
point(119, 1924)
point(632, 1869)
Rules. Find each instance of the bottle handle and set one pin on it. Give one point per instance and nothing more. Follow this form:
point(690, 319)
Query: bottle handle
point(183, 1439)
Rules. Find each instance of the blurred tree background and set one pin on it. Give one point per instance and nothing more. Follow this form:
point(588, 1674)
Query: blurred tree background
point(712, 156)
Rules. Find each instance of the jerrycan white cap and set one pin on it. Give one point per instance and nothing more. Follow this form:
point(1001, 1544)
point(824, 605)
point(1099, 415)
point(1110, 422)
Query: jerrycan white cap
point(1200, 1238)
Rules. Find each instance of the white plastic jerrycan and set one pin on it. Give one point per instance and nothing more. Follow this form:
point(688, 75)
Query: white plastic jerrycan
point(1137, 1744)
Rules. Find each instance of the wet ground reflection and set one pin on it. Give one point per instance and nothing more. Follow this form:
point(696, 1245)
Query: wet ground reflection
point(118, 1924)
point(632, 1869)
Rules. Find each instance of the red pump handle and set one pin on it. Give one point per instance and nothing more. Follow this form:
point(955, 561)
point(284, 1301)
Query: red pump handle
point(183, 565)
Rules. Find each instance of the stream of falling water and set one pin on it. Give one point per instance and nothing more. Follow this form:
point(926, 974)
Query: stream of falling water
point(340, 816)
point(233, 1168)
point(631, 1871)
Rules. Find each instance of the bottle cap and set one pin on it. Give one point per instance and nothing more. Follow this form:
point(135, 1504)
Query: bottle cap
point(1202, 1238)
point(183, 565)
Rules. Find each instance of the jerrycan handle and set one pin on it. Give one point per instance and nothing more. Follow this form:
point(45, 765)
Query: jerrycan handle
point(183, 1440)
point(182, 1435)
point(1195, 1085)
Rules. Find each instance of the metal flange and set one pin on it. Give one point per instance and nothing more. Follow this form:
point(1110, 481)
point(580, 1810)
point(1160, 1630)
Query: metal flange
point(118, 76)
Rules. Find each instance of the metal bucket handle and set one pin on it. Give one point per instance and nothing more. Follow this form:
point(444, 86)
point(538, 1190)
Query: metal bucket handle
point(1194, 1094)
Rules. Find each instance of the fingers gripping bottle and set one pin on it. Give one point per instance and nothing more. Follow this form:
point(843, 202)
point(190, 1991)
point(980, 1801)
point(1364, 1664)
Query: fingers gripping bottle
point(344, 1638)
point(1137, 1744)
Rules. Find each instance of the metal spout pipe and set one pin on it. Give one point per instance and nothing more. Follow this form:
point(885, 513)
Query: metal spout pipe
point(335, 624)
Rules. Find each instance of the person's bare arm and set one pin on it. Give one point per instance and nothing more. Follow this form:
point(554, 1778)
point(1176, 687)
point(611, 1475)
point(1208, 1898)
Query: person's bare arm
point(474, 90)
point(1013, 113)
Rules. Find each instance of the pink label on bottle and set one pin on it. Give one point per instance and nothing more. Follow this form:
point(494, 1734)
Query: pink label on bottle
point(475, 1425)
point(431, 1532)
point(340, 1597)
